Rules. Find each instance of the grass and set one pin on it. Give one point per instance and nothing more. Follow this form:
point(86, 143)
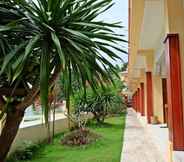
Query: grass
point(106, 149)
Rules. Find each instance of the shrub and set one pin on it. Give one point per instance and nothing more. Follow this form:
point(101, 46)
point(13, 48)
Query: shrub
point(118, 106)
point(105, 101)
point(79, 137)
point(25, 152)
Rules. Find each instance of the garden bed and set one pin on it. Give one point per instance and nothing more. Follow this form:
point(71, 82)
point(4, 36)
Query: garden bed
point(106, 149)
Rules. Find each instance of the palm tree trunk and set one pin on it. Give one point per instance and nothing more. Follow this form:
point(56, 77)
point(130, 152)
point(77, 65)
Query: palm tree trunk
point(68, 119)
point(9, 131)
point(13, 119)
point(49, 137)
point(54, 118)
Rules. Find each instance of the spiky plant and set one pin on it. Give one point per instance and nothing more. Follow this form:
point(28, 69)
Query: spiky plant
point(41, 38)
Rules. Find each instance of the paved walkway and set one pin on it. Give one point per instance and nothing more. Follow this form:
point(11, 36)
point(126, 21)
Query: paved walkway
point(138, 146)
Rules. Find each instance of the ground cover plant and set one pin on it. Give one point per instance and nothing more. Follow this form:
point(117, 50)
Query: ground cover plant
point(106, 149)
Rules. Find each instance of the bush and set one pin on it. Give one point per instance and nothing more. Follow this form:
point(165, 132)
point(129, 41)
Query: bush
point(25, 152)
point(105, 101)
point(79, 137)
point(118, 106)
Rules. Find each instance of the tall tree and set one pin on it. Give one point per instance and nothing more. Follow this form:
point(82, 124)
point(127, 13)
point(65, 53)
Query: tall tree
point(41, 38)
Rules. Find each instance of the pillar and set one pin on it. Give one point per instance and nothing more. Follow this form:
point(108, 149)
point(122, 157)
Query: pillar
point(174, 89)
point(133, 101)
point(136, 107)
point(149, 90)
point(142, 99)
point(139, 100)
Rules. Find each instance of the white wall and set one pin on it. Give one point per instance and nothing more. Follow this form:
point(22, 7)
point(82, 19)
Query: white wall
point(37, 133)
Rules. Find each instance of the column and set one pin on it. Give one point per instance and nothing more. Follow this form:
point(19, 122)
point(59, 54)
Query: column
point(138, 96)
point(133, 101)
point(149, 89)
point(174, 89)
point(136, 101)
point(142, 99)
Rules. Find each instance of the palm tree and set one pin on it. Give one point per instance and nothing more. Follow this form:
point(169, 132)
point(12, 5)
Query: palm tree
point(40, 39)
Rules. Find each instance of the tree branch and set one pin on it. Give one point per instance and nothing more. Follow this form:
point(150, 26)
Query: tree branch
point(34, 92)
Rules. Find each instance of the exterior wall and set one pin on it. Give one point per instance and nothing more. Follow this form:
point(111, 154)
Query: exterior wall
point(37, 133)
point(174, 11)
point(175, 25)
point(174, 14)
point(149, 54)
point(157, 98)
point(136, 12)
point(172, 23)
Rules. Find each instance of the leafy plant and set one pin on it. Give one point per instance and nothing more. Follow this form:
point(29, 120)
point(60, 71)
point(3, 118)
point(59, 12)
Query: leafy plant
point(41, 38)
point(25, 152)
point(78, 119)
point(80, 137)
point(102, 103)
point(118, 106)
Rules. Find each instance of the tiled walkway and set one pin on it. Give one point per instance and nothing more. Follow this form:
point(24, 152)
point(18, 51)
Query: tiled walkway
point(138, 146)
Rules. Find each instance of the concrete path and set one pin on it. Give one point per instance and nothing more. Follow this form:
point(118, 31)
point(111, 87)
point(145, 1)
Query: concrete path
point(138, 145)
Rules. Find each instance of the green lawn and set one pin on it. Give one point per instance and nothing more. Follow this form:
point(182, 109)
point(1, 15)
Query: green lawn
point(107, 149)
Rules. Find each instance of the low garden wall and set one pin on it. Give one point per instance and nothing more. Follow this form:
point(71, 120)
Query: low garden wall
point(37, 133)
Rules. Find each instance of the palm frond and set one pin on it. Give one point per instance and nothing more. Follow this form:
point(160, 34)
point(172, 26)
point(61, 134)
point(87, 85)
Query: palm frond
point(38, 36)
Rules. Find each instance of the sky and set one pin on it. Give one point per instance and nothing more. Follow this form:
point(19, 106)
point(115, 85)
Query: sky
point(119, 12)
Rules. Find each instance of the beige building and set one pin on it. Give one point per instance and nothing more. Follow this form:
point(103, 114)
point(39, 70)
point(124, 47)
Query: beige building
point(156, 64)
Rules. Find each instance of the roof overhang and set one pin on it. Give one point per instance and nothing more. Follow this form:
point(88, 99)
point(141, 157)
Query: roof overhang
point(146, 32)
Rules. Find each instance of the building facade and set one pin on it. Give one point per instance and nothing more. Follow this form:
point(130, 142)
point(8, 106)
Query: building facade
point(156, 64)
